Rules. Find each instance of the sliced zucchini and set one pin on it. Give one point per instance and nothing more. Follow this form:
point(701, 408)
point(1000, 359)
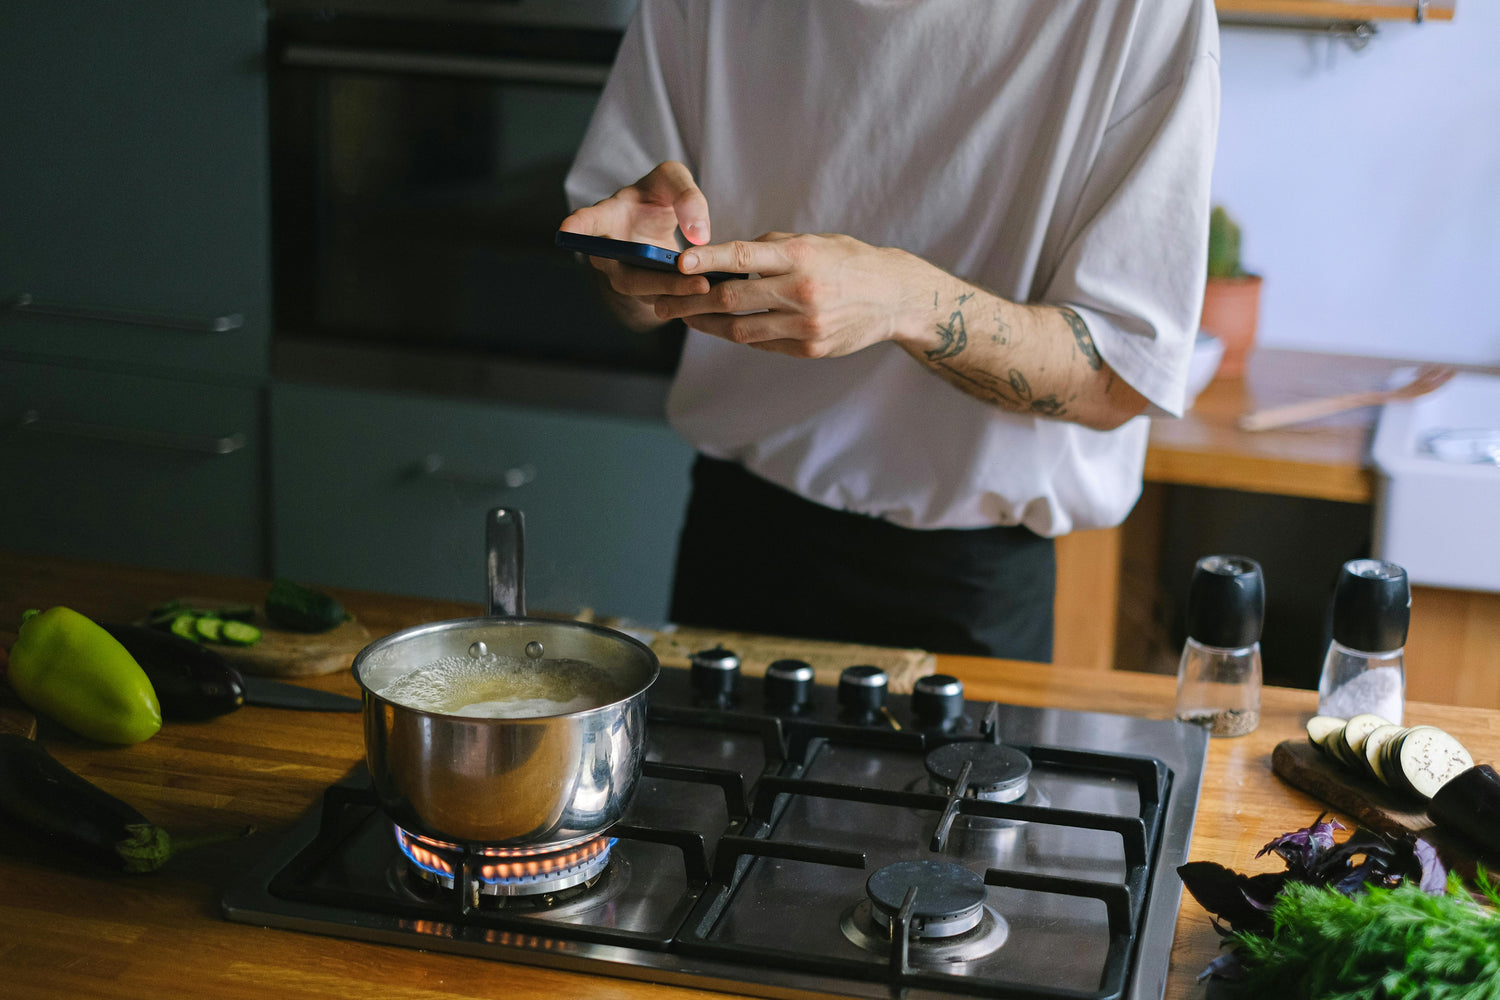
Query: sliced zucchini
point(208, 627)
point(1320, 727)
point(1374, 743)
point(1429, 758)
point(237, 633)
point(182, 625)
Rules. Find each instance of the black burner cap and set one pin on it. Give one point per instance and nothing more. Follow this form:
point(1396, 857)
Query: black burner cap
point(996, 766)
point(944, 889)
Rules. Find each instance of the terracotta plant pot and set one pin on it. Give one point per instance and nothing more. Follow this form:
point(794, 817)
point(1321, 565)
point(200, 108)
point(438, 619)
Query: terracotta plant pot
point(1231, 310)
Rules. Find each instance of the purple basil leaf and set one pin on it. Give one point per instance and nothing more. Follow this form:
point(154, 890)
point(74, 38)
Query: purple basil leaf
point(1239, 901)
point(1226, 966)
point(1380, 854)
point(1434, 880)
point(1302, 850)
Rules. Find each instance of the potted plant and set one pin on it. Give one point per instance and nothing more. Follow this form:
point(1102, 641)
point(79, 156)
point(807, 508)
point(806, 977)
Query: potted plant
point(1231, 300)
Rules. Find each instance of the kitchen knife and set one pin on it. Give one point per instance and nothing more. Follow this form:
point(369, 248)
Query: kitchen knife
point(274, 694)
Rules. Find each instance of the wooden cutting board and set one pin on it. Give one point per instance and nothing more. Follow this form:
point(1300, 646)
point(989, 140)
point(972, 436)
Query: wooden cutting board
point(281, 653)
point(1371, 804)
point(676, 647)
point(297, 654)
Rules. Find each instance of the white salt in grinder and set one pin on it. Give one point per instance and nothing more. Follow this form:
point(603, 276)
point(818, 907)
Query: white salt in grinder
point(1365, 669)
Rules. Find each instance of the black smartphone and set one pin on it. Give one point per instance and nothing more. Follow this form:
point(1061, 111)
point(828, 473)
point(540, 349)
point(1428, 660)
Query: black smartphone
point(635, 254)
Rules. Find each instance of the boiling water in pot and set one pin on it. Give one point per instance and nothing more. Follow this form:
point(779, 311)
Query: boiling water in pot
point(503, 687)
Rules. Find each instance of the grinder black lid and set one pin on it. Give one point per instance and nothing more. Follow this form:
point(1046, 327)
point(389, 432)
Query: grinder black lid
point(1226, 602)
point(1371, 606)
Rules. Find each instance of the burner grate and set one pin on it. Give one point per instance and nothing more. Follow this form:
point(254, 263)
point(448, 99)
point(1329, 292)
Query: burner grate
point(743, 861)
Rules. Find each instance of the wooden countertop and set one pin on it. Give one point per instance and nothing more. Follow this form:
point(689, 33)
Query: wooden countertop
point(1324, 459)
point(83, 934)
point(1327, 459)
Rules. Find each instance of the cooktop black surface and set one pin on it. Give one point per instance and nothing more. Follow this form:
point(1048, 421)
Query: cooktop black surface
point(845, 844)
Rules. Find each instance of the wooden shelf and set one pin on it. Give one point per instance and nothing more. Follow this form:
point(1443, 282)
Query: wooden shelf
point(1338, 10)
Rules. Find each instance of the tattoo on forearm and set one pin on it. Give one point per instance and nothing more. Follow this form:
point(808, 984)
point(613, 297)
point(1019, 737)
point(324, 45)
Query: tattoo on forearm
point(953, 333)
point(1081, 338)
point(1003, 336)
point(1013, 392)
point(1019, 384)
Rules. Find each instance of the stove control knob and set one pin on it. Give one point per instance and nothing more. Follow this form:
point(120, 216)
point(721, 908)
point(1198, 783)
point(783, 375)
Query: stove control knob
point(715, 674)
point(788, 686)
point(937, 701)
point(862, 692)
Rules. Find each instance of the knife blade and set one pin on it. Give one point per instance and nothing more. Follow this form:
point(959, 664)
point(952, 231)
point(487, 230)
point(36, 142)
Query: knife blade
point(274, 694)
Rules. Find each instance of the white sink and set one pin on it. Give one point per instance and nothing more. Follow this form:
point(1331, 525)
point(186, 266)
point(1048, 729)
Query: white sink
point(1437, 507)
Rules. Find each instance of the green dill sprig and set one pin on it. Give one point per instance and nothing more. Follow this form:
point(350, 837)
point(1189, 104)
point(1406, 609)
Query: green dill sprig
point(1397, 944)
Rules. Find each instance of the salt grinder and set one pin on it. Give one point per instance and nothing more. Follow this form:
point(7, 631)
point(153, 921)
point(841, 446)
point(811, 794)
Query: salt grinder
point(1219, 676)
point(1365, 669)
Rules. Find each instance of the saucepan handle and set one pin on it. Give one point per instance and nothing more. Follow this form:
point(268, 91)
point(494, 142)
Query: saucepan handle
point(504, 547)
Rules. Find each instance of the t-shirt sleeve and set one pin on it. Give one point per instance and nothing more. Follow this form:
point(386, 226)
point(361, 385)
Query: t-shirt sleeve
point(637, 123)
point(1136, 268)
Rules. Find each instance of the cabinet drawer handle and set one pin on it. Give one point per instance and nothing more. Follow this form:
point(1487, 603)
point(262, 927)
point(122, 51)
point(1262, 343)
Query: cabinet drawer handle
point(35, 423)
point(24, 303)
point(356, 60)
point(435, 467)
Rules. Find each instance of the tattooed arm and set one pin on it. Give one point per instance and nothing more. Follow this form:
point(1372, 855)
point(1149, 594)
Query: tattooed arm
point(1025, 358)
point(827, 296)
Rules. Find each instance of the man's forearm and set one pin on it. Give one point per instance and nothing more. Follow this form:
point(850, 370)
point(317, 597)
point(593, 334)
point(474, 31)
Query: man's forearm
point(1037, 359)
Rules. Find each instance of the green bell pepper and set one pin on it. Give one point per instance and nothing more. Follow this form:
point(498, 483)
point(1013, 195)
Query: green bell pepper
point(67, 667)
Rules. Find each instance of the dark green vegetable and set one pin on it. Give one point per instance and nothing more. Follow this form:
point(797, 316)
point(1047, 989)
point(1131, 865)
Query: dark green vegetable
point(236, 633)
point(162, 615)
point(1363, 861)
point(182, 626)
point(192, 682)
point(301, 609)
point(1398, 944)
point(207, 627)
point(42, 797)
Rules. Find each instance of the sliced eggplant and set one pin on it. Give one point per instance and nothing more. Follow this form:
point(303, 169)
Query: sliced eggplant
point(1470, 805)
point(1429, 758)
point(1371, 751)
point(1354, 734)
point(1320, 727)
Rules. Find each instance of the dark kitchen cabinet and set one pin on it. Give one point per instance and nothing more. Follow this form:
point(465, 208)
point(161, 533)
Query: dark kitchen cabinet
point(134, 184)
point(133, 469)
point(387, 492)
point(134, 288)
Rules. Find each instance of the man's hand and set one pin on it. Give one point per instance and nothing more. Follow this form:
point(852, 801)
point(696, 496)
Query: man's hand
point(651, 210)
point(815, 297)
point(828, 296)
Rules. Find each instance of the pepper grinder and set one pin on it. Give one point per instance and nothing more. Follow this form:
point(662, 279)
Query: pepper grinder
point(1219, 676)
point(1365, 669)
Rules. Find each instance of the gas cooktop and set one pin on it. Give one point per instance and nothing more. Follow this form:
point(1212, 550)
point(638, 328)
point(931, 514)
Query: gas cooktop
point(788, 838)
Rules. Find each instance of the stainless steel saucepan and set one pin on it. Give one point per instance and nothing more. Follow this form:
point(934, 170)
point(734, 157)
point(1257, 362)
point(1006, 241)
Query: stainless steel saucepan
point(547, 781)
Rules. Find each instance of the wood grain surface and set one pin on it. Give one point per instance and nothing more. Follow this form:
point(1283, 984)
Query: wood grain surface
point(70, 933)
point(828, 659)
point(280, 653)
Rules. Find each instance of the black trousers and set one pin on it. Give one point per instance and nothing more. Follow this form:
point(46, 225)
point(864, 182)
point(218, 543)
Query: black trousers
point(757, 558)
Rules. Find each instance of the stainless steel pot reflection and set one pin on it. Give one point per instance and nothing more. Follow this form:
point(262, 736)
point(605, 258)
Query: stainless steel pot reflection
point(549, 781)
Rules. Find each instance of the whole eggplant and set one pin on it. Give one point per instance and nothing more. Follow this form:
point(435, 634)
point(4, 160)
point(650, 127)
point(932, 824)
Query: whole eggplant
point(39, 795)
point(192, 681)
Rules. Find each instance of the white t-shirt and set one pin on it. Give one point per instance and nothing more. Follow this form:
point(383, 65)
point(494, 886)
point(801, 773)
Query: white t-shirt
point(1051, 151)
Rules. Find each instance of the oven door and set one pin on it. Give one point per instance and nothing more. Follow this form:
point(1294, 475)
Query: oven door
point(417, 184)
